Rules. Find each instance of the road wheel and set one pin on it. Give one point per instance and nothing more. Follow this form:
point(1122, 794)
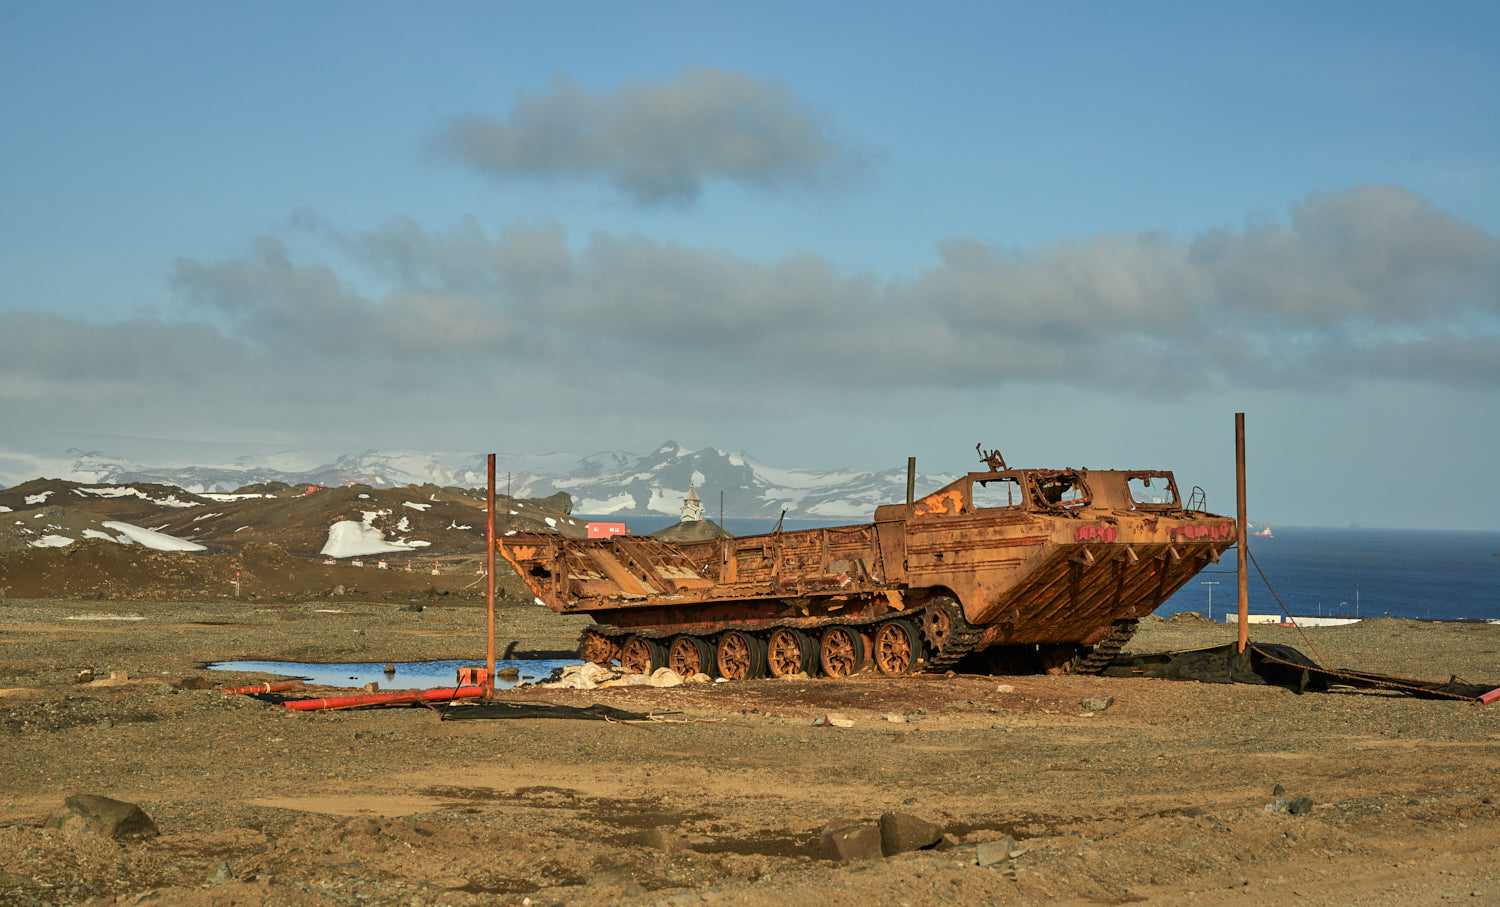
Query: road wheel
point(690, 655)
point(841, 652)
point(898, 647)
point(740, 656)
point(640, 655)
point(789, 651)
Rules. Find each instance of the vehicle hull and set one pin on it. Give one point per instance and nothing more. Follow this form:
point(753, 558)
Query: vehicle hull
point(1036, 572)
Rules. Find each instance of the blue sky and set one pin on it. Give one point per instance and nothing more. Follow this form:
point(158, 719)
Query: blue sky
point(826, 234)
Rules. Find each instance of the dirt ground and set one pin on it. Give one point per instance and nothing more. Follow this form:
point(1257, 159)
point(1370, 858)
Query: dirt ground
point(1163, 797)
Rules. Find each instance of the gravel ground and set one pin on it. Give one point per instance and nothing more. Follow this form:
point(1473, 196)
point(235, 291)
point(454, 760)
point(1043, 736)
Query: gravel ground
point(1161, 797)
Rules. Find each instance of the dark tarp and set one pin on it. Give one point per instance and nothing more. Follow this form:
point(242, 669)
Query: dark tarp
point(1281, 666)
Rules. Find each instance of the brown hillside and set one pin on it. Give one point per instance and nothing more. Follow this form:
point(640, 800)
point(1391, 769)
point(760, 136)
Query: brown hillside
point(56, 541)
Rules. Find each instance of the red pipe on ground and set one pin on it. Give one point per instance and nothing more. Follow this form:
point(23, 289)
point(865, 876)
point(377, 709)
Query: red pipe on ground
point(401, 697)
point(1490, 697)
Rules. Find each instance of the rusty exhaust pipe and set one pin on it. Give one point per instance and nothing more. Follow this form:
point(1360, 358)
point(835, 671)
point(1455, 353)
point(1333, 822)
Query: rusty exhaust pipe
point(1243, 579)
point(489, 581)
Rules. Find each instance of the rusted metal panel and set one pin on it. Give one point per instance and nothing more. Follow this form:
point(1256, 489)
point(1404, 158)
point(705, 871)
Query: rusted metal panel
point(622, 578)
point(891, 543)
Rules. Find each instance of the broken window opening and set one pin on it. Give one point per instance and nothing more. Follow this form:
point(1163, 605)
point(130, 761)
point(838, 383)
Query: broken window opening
point(1062, 489)
point(997, 493)
point(1153, 491)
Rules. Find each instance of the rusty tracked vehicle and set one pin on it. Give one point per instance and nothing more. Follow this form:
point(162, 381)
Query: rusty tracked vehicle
point(1038, 569)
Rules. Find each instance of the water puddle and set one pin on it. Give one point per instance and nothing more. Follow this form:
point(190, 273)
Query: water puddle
point(409, 675)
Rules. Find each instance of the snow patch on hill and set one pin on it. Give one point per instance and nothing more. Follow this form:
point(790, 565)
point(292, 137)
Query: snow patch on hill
point(150, 539)
point(347, 538)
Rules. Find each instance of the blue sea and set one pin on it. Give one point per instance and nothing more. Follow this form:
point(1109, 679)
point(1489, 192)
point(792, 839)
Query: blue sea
point(1419, 574)
point(1424, 575)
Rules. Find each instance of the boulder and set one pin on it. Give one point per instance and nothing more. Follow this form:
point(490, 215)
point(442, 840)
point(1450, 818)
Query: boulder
point(1097, 703)
point(1295, 806)
point(847, 842)
point(991, 852)
point(903, 832)
point(222, 875)
point(104, 816)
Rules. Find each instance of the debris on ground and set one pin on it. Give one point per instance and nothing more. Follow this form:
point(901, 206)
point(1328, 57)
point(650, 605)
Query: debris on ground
point(1283, 666)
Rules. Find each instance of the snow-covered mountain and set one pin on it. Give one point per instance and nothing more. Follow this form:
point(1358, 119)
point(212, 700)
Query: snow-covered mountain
point(657, 482)
point(607, 482)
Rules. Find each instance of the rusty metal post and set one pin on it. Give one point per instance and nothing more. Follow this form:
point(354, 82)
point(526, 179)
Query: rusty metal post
point(911, 479)
point(489, 583)
point(1243, 575)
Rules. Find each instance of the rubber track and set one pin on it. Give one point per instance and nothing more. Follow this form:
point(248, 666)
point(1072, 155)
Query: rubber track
point(960, 643)
point(1108, 648)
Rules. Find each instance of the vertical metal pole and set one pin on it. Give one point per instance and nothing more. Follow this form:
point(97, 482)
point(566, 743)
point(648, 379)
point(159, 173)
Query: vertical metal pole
point(1243, 580)
point(911, 479)
point(489, 584)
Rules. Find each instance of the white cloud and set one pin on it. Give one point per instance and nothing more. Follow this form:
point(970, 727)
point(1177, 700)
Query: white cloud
point(1374, 273)
point(468, 330)
point(659, 142)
